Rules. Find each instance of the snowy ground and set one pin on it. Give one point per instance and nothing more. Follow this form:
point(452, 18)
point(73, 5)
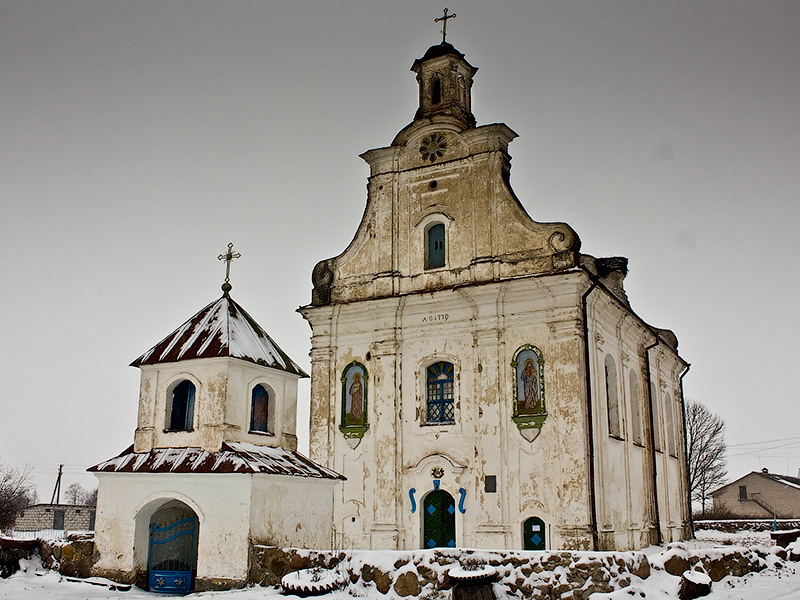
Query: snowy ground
point(772, 584)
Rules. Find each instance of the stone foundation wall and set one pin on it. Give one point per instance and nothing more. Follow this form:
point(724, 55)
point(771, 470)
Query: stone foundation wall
point(424, 573)
point(534, 575)
point(733, 525)
point(529, 575)
point(73, 557)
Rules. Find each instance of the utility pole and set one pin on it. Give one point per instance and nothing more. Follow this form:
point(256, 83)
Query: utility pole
point(56, 497)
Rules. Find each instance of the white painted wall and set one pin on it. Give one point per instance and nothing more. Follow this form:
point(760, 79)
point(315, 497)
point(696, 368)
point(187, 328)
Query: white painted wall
point(222, 404)
point(221, 502)
point(292, 511)
point(479, 329)
point(232, 509)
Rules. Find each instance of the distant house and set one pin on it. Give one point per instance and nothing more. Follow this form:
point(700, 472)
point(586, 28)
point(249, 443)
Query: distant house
point(69, 517)
point(760, 494)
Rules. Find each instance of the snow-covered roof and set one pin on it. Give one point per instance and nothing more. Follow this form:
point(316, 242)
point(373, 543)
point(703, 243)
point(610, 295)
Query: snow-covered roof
point(793, 482)
point(233, 457)
point(223, 328)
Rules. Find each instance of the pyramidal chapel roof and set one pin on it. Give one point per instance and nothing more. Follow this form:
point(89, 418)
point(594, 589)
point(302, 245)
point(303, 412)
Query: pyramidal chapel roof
point(221, 329)
point(233, 457)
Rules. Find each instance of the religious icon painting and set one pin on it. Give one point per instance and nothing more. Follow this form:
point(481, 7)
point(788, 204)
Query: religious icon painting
point(529, 402)
point(354, 401)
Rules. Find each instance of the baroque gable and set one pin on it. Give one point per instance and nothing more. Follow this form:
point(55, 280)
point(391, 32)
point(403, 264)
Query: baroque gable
point(442, 171)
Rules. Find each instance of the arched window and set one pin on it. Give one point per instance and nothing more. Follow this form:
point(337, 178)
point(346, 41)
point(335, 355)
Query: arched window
point(436, 90)
point(636, 411)
point(355, 391)
point(462, 90)
point(528, 367)
point(612, 397)
point(180, 412)
point(434, 246)
point(656, 418)
point(440, 393)
point(260, 410)
point(669, 409)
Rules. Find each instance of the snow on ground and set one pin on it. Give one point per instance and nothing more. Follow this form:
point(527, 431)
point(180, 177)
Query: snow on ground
point(34, 582)
point(708, 538)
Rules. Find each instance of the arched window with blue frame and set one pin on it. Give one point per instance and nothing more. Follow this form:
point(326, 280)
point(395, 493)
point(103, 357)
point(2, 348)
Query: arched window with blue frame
point(180, 413)
point(440, 377)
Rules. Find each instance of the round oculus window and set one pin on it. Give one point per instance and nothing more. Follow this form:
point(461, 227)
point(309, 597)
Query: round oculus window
point(433, 147)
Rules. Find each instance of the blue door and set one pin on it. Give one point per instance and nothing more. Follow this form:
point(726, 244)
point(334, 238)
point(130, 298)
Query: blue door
point(172, 555)
point(438, 520)
point(533, 534)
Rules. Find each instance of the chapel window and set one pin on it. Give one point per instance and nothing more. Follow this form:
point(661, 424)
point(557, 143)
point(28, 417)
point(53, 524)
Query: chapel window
point(528, 367)
point(440, 393)
point(260, 410)
point(434, 246)
point(656, 418)
point(462, 90)
point(669, 409)
point(436, 90)
point(180, 412)
point(636, 411)
point(355, 388)
point(612, 398)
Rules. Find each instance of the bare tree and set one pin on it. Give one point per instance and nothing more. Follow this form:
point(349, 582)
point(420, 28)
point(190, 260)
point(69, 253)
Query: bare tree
point(75, 494)
point(91, 498)
point(705, 439)
point(16, 492)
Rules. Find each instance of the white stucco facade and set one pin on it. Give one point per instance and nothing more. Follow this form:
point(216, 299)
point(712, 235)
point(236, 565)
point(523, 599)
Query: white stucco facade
point(233, 512)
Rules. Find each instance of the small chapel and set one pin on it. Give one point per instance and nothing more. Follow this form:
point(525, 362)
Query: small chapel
point(213, 468)
point(476, 381)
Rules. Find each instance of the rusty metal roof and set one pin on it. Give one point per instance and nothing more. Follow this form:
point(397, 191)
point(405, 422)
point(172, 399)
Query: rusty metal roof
point(233, 457)
point(221, 329)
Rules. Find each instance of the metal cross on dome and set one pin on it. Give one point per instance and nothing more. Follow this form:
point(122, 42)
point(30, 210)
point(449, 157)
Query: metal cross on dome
point(443, 19)
point(228, 258)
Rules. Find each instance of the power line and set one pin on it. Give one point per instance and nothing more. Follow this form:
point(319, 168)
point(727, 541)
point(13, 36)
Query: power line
point(797, 437)
point(759, 450)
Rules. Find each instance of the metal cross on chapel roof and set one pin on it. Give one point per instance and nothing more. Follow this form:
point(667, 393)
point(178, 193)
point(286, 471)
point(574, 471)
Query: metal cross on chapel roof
point(228, 258)
point(443, 19)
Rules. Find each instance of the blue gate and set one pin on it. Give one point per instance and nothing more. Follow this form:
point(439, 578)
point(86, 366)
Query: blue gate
point(172, 556)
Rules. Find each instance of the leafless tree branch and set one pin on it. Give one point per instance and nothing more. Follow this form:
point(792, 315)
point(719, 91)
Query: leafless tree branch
point(705, 440)
point(16, 492)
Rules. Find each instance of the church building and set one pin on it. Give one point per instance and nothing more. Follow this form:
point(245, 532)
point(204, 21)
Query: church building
point(477, 379)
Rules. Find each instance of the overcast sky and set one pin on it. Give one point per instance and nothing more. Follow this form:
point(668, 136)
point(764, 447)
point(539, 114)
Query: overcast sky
point(137, 138)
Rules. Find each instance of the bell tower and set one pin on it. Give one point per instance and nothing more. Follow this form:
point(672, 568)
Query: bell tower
point(445, 84)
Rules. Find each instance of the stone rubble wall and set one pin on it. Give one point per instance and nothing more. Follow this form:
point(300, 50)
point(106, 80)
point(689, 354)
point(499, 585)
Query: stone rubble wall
point(72, 557)
point(423, 573)
point(734, 525)
point(528, 575)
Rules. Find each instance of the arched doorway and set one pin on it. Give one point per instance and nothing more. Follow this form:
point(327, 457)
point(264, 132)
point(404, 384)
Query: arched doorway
point(438, 520)
point(533, 537)
point(172, 549)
